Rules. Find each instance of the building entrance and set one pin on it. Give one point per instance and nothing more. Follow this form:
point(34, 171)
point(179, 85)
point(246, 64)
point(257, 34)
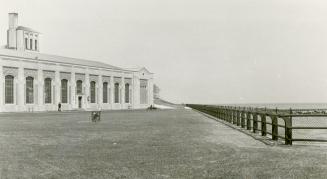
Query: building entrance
point(80, 102)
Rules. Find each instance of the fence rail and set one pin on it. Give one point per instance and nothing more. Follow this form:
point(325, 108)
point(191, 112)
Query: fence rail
point(249, 118)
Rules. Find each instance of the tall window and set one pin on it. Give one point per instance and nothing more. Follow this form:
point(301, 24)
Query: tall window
point(116, 92)
point(47, 90)
point(64, 91)
point(26, 43)
point(105, 92)
point(35, 44)
point(92, 91)
point(9, 89)
point(79, 87)
point(126, 93)
point(29, 90)
point(31, 44)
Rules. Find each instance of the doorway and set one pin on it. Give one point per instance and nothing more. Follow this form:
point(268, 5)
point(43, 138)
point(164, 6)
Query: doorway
point(80, 102)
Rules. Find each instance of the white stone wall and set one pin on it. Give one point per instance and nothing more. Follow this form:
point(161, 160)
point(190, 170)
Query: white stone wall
point(39, 69)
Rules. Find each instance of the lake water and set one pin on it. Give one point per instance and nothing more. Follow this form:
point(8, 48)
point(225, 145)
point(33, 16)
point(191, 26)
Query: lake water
point(283, 105)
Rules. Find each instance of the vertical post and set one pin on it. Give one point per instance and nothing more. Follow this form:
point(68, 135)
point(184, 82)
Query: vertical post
point(224, 113)
point(274, 120)
point(255, 122)
point(248, 120)
point(234, 115)
point(242, 119)
point(263, 125)
point(230, 112)
point(288, 129)
point(238, 115)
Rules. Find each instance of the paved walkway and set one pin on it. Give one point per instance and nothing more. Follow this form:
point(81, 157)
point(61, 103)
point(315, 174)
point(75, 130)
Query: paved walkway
point(144, 144)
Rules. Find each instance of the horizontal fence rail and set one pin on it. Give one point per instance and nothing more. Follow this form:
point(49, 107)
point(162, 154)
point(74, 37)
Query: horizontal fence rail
point(276, 122)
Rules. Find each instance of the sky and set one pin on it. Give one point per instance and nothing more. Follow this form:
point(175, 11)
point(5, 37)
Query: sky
point(200, 51)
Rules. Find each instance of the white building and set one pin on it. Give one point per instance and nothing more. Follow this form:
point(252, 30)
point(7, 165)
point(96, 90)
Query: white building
point(33, 81)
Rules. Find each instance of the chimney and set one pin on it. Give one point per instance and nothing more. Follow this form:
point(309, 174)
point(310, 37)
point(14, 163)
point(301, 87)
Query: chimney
point(11, 32)
point(13, 20)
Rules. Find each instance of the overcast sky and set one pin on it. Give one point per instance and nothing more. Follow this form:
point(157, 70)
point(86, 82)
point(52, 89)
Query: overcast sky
point(201, 51)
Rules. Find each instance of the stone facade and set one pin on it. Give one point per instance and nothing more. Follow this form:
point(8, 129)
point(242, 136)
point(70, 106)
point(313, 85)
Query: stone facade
point(50, 80)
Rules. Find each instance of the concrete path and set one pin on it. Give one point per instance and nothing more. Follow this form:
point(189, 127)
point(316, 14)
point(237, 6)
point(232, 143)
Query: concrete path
point(144, 144)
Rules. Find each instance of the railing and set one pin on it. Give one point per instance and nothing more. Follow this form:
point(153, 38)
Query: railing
point(257, 120)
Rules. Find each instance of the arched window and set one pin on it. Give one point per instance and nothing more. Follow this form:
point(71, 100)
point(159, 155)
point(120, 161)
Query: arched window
point(9, 89)
point(79, 87)
point(105, 92)
point(116, 92)
point(29, 90)
point(26, 43)
point(35, 44)
point(126, 93)
point(47, 90)
point(64, 91)
point(31, 44)
point(92, 91)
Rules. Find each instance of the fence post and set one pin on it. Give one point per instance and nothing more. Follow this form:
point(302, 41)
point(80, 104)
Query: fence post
point(263, 125)
point(243, 118)
point(274, 127)
point(235, 115)
point(248, 120)
point(232, 114)
point(229, 115)
point(288, 129)
point(224, 113)
point(238, 123)
point(255, 122)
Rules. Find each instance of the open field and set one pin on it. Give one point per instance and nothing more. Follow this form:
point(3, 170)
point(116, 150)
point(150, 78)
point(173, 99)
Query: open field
point(144, 144)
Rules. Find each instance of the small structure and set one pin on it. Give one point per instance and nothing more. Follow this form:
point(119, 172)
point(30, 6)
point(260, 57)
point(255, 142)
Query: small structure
point(95, 116)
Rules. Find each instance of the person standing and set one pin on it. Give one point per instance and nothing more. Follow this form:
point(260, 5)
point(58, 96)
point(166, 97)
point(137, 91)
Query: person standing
point(59, 106)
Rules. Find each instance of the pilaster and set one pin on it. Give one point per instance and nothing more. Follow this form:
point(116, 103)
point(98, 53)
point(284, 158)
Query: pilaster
point(40, 96)
point(73, 88)
point(57, 87)
point(112, 90)
point(87, 89)
point(136, 91)
point(150, 91)
point(100, 90)
point(122, 102)
point(20, 97)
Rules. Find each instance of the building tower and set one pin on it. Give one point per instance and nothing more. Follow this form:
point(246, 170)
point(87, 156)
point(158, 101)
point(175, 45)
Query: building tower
point(20, 37)
point(11, 32)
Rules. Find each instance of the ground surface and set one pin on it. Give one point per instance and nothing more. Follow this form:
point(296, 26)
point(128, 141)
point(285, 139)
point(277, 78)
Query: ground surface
point(144, 144)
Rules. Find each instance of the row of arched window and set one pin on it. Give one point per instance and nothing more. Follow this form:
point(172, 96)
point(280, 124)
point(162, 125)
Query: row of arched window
point(29, 93)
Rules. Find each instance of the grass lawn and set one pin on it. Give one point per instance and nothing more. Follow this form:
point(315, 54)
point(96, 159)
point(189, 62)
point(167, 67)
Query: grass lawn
point(144, 144)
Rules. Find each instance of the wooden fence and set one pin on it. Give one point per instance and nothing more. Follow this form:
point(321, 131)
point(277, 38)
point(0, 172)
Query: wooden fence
point(249, 118)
